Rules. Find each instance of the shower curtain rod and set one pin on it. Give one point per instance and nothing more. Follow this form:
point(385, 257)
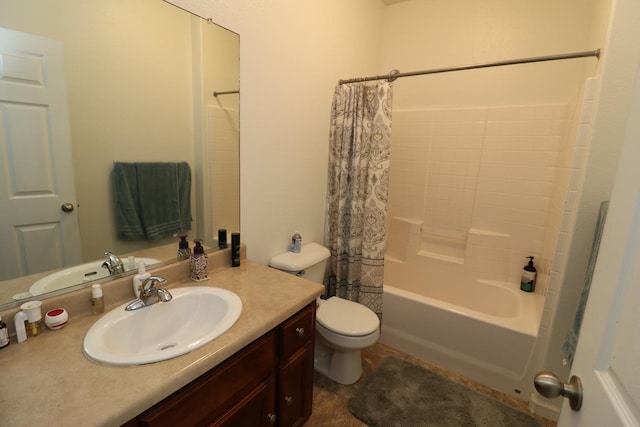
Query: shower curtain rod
point(228, 92)
point(394, 74)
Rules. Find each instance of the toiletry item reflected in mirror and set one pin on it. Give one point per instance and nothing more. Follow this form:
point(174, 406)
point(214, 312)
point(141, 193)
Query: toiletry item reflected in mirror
point(97, 85)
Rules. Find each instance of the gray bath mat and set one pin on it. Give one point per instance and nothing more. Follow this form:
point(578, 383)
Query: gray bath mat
point(400, 393)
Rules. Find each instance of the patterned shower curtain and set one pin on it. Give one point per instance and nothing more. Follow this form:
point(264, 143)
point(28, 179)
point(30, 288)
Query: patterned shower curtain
point(357, 190)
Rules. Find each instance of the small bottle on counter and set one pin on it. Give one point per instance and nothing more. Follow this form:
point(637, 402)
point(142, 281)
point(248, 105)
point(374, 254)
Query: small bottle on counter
point(183, 247)
point(4, 334)
point(235, 249)
point(97, 299)
point(199, 262)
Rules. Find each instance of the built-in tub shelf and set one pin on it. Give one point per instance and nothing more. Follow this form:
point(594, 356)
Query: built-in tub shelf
point(441, 257)
point(444, 248)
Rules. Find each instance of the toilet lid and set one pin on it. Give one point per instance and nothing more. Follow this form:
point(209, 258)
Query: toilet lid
point(347, 317)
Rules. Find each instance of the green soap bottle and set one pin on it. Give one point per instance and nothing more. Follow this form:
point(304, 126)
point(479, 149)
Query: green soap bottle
point(528, 281)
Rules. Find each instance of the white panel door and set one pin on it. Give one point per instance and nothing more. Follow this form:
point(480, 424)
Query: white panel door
point(36, 174)
point(608, 354)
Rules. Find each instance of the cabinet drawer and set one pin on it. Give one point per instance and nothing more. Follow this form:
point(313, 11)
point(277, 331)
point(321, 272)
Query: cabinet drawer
point(298, 330)
point(216, 391)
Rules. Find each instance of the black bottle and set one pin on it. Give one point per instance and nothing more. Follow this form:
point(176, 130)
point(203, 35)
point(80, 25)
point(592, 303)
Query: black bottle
point(235, 249)
point(222, 238)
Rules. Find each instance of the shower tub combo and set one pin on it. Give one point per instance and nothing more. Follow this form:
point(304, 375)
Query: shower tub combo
point(483, 330)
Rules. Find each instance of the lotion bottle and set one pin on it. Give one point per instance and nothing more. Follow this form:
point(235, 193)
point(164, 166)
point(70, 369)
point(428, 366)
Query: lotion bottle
point(97, 299)
point(528, 281)
point(139, 278)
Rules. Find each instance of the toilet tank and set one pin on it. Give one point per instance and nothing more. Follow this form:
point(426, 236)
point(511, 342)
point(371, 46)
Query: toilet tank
point(309, 263)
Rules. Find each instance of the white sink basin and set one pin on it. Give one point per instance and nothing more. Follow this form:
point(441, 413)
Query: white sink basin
point(79, 274)
point(195, 316)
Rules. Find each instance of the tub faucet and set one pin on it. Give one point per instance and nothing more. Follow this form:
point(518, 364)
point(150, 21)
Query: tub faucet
point(149, 294)
point(113, 264)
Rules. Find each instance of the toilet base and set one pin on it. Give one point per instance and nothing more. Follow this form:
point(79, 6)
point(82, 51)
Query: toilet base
point(343, 367)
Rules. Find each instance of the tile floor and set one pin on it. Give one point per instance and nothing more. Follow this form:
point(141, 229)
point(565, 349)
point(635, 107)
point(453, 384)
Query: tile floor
point(330, 398)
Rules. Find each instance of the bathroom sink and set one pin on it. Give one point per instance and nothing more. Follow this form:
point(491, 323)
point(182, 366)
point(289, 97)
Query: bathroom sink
point(79, 274)
point(195, 316)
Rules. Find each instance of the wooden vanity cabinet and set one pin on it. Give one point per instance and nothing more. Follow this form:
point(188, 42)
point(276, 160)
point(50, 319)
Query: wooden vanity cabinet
point(295, 372)
point(267, 383)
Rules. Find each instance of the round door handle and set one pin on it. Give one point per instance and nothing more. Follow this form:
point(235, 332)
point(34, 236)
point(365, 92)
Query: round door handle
point(288, 400)
point(300, 331)
point(271, 418)
point(549, 385)
point(67, 207)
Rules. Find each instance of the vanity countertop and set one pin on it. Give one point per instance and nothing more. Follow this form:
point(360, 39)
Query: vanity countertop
point(48, 381)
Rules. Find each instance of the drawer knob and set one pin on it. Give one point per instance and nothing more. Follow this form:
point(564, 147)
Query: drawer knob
point(300, 331)
point(271, 418)
point(288, 400)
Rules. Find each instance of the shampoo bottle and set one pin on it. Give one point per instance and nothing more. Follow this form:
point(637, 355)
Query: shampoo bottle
point(528, 281)
point(199, 263)
point(139, 278)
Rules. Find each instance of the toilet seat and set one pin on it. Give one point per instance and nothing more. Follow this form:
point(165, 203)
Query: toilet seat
point(347, 317)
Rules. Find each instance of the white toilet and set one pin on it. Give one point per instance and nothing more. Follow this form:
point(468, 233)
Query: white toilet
point(343, 327)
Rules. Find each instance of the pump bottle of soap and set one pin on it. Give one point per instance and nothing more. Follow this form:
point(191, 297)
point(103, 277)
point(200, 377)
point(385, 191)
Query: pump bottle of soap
point(139, 278)
point(528, 281)
point(199, 262)
point(183, 247)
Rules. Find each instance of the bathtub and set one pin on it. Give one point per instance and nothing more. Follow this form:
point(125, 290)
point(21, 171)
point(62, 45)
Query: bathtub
point(484, 330)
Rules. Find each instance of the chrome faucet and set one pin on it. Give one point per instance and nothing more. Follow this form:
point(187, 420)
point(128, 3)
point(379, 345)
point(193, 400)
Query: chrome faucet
point(113, 264)
point(149, 294)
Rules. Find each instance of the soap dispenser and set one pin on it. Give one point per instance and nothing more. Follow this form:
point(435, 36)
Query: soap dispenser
point(183, 247)
point(139, 278)
point(528, 281)
point(199, 262)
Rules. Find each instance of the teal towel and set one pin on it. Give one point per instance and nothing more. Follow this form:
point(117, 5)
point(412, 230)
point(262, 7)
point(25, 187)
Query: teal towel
point(152, 200)
point(571, 339)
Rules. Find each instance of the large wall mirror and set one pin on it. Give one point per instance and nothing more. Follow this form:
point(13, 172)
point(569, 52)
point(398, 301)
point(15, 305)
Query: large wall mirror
point(139, 80)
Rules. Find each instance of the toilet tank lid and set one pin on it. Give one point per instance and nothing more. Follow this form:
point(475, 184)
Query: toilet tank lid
point(309, 255)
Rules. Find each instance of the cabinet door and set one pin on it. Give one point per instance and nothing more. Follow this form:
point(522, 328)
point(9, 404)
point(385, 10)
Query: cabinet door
point(256, 409)
point(296, 388)
point(214, 393)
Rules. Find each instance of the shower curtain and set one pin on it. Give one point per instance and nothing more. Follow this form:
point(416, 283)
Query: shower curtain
point(358, 182)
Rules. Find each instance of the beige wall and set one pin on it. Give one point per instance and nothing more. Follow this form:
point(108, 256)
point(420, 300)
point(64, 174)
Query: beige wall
point(420, 35)
point(292, 55)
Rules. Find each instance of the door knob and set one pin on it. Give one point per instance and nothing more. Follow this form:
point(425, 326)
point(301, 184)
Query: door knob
point(67, 207)
point(550, 386)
